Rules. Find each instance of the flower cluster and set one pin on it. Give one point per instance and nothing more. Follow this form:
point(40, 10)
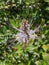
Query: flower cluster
point(25, 32)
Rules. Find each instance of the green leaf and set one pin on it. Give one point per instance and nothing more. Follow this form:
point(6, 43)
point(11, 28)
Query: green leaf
point(2, 63)
point(46, 58)
point(48, 21)
point(40, 62)
point(29, 1)
point(46, 47)
point(46, 0)
point(47, 8)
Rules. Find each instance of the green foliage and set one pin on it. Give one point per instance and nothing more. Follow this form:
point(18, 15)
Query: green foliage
point(11, 14)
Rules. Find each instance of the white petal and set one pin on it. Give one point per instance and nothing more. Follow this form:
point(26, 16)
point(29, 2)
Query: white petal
point(21, 37)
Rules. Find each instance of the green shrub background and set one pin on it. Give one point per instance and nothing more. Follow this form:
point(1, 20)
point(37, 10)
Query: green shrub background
point(11, 14)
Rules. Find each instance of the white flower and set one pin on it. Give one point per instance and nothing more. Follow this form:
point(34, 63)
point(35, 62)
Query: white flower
point(21, 37)
point(25, 33)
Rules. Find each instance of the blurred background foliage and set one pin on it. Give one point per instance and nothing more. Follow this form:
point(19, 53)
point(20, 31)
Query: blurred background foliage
point(11, 14)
